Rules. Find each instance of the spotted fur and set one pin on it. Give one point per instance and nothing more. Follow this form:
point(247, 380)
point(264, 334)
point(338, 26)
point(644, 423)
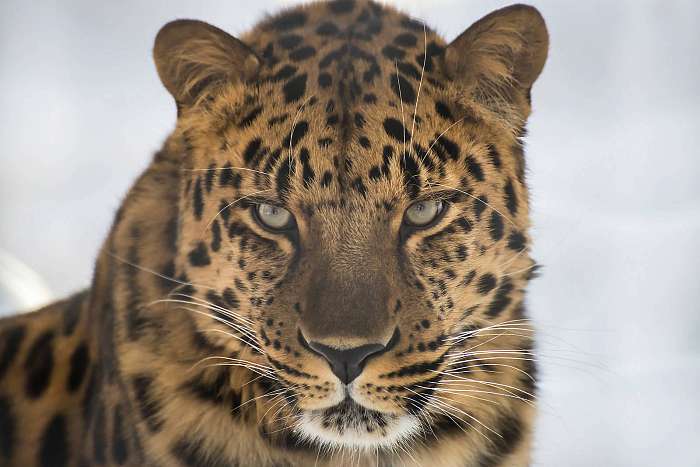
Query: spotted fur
point(191, 346)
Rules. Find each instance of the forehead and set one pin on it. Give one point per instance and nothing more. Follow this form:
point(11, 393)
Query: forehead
point(346, 105)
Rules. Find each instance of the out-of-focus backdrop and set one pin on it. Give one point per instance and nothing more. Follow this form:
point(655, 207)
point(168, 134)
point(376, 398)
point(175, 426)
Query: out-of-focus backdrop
point(613, 169)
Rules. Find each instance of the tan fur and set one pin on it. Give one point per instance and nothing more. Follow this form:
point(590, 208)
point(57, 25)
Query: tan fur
point(188, 281)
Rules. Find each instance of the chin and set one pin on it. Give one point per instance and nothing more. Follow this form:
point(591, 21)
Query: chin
point(352, 426)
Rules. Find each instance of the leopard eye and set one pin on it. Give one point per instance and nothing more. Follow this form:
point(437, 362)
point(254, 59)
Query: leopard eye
point(273, 217)
point(422, 213)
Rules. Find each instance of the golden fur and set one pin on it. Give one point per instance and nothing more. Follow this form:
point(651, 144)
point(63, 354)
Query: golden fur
point(190, 346)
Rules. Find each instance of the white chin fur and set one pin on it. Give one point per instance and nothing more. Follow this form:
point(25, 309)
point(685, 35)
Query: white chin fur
point(354, 433)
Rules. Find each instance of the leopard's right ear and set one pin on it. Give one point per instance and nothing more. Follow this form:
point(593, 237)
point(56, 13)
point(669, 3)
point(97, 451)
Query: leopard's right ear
point(193, 57)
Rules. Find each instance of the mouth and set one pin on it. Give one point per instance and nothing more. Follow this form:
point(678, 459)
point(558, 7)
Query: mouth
point(348, 424)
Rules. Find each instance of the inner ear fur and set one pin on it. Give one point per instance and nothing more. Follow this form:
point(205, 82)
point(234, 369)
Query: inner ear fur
point(498, 58)
point(193, 57)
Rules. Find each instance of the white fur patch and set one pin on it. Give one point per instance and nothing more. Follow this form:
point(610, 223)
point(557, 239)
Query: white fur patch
point(352, 432)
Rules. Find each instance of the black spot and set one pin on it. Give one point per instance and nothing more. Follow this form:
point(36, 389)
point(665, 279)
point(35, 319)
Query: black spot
point(79, 361)
point(396, 130)
point(509, 434)
point(324, 80)
point(410, 70)
point(327, 29)
point(229, 178)
point(369, 98)
point(405, 40)
point(198, 199)
point(250, 117)
point(215, 236)
point(308, 174)
point(209, 179)
point(402, 88)
point(412, 24)
point(326, 179)
point(359, 186)
point(462, 252)
point(120, 448)
point(332, 120)
point(302, 53)
point(7, 429)
point(359, 120)
point(516, 241)
point(283, 180)
point(287, 21)
point(448, 146)
point(99, 441)
point(251, 150)
point(192, 453)
point(494, 156)
point(298, 132)
point(501, 300)
point(409, 167)
point(53, 446)
point(39, 365)
point(10, 341)
point(443, 110)
point(511, 197)
point(71, 314)
point(486, 284)
point(341, 6)
point(393, 53)
point(289, 41)
point(199, 256)
point(364, 142)
point(149, 407)
point(283, 73)
point(474, 168)
point(496, 226)
point(375, 173)
point(480, 205)
point(230, 298)
point(295, 88)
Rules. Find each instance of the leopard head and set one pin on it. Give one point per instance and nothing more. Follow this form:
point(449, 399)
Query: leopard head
point(353, 214)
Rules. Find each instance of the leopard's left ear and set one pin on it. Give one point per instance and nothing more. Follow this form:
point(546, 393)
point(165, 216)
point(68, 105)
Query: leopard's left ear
point(193, 57)
point(498, 59)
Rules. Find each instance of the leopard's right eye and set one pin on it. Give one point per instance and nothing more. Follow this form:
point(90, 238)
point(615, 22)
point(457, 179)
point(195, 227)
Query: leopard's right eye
point(273, 217)
point(423, 213)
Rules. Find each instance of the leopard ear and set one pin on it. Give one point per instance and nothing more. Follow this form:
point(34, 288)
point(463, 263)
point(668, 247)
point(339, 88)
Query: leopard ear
point(193, 57)
point(498, 59)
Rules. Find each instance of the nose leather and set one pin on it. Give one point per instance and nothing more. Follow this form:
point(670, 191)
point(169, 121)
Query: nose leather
point(347, 364)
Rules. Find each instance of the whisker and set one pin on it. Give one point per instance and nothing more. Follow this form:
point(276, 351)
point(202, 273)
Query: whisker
point(403, 122)
point(228, 206)
point(481, 201)
point(439, 136)
point(227, 168)
point(155, 273)
point(294, 126)
point(420, 83)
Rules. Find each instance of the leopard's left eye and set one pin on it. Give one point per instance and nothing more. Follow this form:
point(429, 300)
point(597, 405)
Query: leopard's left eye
point(273, 217)
point(422, 213)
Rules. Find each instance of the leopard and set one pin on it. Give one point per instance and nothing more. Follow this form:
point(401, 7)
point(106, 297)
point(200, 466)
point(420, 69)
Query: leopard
point(325, 263)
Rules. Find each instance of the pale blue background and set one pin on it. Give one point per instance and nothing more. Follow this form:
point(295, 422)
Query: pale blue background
point(613, 168)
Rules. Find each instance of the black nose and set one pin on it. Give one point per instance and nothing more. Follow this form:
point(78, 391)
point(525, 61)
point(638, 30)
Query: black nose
point(347, 364)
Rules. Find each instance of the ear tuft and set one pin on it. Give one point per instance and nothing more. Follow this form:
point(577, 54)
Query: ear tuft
point(499, 57)
point(193, 56)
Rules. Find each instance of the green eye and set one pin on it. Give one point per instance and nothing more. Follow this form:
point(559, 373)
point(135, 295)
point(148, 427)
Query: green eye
point(423, 213)
point(274, 217)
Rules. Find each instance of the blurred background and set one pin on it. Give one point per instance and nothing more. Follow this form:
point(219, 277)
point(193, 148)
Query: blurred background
point(613, 170)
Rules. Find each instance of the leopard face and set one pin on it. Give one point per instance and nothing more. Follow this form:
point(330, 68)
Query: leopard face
point(353, 214)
